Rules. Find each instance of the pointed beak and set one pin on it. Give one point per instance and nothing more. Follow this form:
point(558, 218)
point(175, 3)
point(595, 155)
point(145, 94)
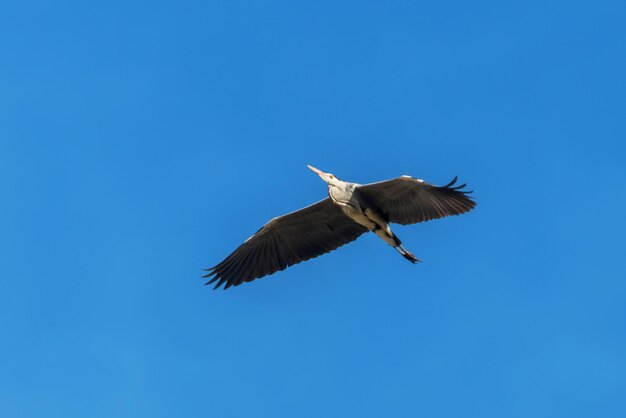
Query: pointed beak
point(315, 170)
point(324, 176)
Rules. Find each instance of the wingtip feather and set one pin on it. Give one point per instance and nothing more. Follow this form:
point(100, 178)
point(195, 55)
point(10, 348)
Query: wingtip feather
point(221, 282)
point(452, 182)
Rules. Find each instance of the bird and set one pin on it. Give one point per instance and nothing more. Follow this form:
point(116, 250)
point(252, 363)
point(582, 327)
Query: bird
point(350, 210)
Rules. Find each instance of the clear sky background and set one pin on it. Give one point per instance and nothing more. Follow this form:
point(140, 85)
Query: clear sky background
point(143, 141)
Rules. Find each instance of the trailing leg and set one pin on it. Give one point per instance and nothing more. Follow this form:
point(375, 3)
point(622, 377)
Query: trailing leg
point(407, 254)
point(387, 235)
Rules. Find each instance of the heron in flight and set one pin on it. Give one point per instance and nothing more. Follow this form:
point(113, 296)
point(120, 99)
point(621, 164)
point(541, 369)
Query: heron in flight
point(351, 209)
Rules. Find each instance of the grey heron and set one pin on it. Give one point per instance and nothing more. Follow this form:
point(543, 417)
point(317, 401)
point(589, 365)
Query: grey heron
point(350, 210)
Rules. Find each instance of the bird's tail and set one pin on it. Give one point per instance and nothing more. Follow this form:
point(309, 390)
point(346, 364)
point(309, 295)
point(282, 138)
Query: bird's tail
point(407, 254)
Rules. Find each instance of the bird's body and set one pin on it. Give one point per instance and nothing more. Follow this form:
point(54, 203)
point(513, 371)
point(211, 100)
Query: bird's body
point(355, 205)
point(350, 210)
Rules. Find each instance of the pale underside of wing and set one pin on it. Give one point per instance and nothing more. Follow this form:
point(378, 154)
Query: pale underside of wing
point(285, 241)
point(407, 200)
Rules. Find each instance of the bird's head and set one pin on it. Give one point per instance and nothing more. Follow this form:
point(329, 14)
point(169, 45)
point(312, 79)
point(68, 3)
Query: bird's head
point(327, 177)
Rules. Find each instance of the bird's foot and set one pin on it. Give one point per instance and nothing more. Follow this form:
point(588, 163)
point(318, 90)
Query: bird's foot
point(410, 257)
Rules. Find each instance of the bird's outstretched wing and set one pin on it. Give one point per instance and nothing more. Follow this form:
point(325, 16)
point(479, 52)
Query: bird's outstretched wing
point(285, 241)
point(407, 200)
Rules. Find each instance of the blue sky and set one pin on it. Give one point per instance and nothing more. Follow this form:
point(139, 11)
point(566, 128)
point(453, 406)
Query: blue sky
point(143, 141)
